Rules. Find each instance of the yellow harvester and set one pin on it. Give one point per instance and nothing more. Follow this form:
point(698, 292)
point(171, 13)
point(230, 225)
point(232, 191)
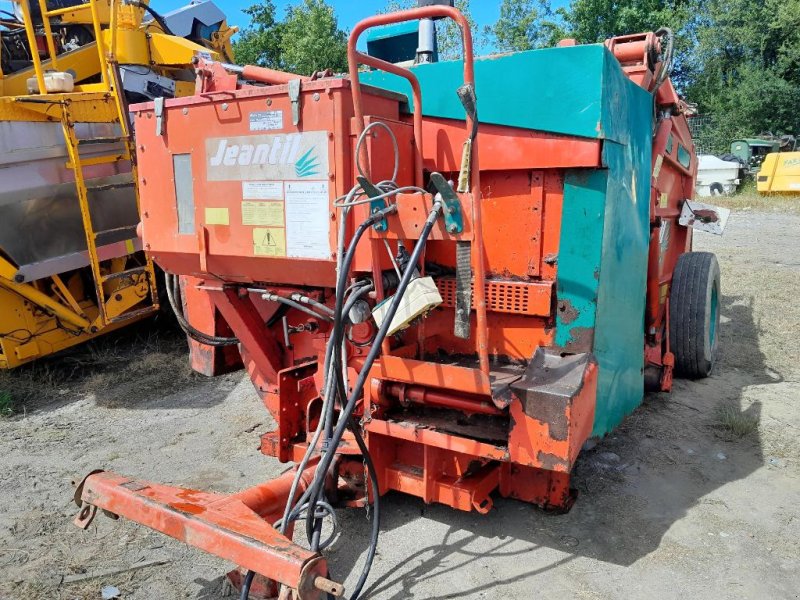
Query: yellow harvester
point(71, 265)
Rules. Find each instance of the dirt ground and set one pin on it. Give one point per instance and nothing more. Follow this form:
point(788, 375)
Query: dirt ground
point(695, 495)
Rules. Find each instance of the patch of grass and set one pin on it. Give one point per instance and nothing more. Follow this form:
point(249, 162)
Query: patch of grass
point(733, 421)
point(6, 404)
point(748, 198)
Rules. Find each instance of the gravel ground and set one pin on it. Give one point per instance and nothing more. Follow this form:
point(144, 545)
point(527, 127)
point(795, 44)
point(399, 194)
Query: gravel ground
point(697, 493)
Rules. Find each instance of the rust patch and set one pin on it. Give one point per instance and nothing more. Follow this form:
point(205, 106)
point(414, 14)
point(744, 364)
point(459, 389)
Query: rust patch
point(566, 312)
point(548, 387)
point(550, 259)
point(706, 215)
point(551, 462)
point(582, 340)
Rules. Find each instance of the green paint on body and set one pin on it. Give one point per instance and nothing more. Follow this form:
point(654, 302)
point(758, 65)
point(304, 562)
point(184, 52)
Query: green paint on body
point(602, 261)
point(561, 90)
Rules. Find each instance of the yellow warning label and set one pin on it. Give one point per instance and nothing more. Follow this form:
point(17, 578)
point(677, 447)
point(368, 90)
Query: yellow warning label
point(269, 241)
point(664, 200)
point(262, 213)
point(217, 216)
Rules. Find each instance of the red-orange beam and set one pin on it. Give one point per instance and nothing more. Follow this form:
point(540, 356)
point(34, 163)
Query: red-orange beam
point(221, 525)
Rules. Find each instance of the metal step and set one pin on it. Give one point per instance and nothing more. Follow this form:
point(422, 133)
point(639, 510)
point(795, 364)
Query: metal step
point(110, 186)
point(123, 274)
point(141, 312)
point(101, 140)
point(100, 160)
point(97, 234)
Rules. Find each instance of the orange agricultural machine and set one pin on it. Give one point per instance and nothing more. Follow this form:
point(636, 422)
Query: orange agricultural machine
point(443, 280)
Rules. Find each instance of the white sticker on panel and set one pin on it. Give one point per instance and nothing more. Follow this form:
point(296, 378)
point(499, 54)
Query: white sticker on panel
point(266, 121)
point(307, 219)
point(268, 157)
point(262, 190)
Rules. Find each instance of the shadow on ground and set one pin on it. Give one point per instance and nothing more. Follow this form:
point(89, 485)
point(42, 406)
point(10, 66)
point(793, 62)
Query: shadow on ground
point(634, 485)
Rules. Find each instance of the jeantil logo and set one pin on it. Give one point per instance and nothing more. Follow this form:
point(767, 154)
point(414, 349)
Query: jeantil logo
point(268, 157)
point(282, 151)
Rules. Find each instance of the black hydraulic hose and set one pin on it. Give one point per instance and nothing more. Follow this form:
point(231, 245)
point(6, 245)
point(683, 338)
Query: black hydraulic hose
point(246, 585)
point(156, 16)
point(376, 510)
point(197, 335)
point(345, 417)
point(354, 297)
point(336, 368)
point(667, 58)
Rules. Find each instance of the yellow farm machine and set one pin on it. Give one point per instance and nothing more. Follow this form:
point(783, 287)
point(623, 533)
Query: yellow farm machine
point(71, 264)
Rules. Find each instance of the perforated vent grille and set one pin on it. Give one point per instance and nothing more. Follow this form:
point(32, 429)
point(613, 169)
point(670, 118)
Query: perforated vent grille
point(514, 297)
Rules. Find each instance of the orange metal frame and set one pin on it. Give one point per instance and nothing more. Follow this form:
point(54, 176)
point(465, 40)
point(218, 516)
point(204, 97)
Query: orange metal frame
point(441, 420)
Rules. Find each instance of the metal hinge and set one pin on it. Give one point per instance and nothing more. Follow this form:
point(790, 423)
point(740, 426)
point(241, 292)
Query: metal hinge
point(159, 112)
point(294, 98)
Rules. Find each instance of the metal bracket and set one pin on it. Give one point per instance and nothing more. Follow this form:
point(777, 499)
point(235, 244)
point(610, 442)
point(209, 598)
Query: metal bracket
point(294, 98)
point(159, 112)
point(376, 205)
point(453, 215)
point(704, 217)
point(466, 94)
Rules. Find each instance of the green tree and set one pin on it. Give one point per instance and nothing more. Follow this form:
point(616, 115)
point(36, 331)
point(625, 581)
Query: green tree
point(525, 25)
point(311, 39)
point(260, 42)
point(748, 54)
point(308, 39)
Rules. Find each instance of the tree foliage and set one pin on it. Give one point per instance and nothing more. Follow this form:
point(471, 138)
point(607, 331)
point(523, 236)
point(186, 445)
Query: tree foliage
point(527, 24)
point(308, 39)
point(739, 60)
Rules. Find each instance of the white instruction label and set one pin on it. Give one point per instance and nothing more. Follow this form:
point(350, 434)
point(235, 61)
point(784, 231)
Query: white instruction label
point(262, 190)
point(266, 121)
point(307, 219)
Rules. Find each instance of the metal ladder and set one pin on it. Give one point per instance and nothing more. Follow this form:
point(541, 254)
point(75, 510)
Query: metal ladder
point(111, 86)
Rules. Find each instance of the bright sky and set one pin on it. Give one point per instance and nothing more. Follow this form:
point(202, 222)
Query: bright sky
point(349, 12)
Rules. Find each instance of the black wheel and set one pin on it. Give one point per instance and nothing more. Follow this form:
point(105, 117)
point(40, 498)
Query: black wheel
point(717, 189)
point(694, 314)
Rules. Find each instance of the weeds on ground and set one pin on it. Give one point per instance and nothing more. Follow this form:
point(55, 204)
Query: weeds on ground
point(116, 368)
point(734, 422)
point(748, 198)
point(6, 404)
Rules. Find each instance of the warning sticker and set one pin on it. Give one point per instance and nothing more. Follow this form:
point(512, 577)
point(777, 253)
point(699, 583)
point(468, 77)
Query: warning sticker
point(266, 121)
point(269, 241)
point(262, 190)
point(263, 213)
point(307, 219)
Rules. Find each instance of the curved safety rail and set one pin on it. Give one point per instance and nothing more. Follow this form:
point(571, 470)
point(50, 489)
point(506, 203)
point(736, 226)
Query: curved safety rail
point(355, 58)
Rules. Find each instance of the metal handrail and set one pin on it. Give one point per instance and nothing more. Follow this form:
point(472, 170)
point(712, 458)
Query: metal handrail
point(355, 58)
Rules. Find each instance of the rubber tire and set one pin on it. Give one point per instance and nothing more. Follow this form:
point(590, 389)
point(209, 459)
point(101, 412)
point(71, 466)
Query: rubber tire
point(694, 314)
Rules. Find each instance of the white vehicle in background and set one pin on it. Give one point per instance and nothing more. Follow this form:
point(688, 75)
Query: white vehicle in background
point(717, 177)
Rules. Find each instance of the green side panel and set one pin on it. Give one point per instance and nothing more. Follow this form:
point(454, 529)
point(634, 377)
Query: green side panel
point(579, 257)
point(562, 90)
point(619, 332)
point(602, 261)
